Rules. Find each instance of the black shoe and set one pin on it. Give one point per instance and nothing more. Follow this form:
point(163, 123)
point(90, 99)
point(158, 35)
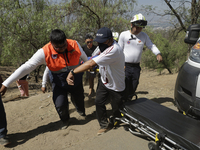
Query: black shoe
point(81, 113)
point(4, 141)
point(64, 125)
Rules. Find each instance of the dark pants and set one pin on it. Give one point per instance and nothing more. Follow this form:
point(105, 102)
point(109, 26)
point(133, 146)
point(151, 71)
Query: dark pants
point(60, 99)
point(3, 122)
point(100, 101)
point(132, 73)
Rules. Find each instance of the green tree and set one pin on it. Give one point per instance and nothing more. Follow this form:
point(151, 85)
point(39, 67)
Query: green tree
point(25, 24)
point(174, 51)
point(25, 27)
point(171, 44)
point(90, 15)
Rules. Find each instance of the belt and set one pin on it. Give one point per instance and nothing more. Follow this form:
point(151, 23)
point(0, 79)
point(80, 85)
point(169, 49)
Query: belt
point(132, 64)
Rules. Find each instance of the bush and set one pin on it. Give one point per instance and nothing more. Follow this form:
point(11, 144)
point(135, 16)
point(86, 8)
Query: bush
point(174, 51)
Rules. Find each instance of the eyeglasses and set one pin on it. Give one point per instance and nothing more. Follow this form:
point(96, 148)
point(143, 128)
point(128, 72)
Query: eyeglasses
point(60, 47)
point(89, 42)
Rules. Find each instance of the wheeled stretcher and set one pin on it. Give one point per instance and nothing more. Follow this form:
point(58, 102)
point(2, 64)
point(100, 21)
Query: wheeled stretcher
point(167, 128)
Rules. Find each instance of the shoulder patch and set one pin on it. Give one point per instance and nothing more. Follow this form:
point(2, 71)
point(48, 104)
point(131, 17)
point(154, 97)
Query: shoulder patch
point(54, 56)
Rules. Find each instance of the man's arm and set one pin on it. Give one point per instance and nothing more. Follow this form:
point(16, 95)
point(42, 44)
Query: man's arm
point(153, 48)
point(96, 51)
point(37, 59)
point(1, 81)
point(3, 88)
point(45, 79)
point(159, 57)
point(121, 42)
point(87, 65)
point(83, 55)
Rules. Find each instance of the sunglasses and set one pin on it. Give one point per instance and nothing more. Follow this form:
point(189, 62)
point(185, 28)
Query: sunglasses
point(141, 23)
point(89, 42)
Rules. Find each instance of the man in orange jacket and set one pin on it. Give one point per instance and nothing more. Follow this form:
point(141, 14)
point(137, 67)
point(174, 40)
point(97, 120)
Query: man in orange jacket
point(60, 55)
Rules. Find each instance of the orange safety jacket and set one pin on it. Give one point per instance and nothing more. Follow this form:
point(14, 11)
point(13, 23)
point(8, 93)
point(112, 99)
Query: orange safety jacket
point(56, 61)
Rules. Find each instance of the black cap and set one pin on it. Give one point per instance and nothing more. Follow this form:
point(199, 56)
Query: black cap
point(103, 34)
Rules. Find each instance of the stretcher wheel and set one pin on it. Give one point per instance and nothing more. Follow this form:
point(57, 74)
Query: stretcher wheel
point(135, 95)
point(152, 145)
point(126, 128)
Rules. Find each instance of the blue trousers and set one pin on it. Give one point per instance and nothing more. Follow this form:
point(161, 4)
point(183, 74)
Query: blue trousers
point(132, 73)
point(3, 122)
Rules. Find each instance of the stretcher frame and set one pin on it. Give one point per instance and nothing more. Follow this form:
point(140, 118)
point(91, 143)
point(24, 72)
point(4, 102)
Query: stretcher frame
point(141, 123)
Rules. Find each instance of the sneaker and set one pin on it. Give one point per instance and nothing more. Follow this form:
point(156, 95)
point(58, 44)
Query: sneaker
point(104, 130)
point(4, 141)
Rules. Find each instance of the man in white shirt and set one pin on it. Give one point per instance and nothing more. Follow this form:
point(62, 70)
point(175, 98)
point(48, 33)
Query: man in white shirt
point(60, 55)
point(112, 80)
point(132, 42)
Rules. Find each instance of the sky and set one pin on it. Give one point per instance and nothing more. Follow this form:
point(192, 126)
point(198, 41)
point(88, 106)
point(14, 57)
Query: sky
point(160, 6)
point(152, 18)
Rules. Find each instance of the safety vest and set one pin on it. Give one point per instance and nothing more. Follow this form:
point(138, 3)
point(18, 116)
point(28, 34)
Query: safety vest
point(56, 61)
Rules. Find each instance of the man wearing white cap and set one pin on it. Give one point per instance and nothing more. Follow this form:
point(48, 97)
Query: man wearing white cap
point(132, 42)
point(112, 81)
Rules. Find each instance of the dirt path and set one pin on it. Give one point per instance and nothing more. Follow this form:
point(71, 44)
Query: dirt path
point(33, 123)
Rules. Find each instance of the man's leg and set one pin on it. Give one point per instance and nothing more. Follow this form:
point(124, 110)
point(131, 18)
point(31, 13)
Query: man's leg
point(128, 83)
point(132, 80)
point(116, 103)
point(3, 125)
point(100, 102)
point(86, 78)
point(60, 100)
point(91, 83)
point(135, 78)
point(77, 97)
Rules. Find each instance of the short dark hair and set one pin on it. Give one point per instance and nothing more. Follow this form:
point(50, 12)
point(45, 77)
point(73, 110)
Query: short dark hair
point(57, 36)
point(88, 36)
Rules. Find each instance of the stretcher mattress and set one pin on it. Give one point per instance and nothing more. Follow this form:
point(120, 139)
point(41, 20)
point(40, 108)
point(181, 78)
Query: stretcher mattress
point(181, 129)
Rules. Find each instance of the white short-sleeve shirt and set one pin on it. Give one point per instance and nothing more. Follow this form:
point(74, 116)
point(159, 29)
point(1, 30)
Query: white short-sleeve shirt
point(111, 67)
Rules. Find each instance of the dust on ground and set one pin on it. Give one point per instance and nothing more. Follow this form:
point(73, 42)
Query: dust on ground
point(33, 123)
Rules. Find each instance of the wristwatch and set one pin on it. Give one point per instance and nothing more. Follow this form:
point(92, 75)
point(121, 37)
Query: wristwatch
point(19, 86)
point(72, 71)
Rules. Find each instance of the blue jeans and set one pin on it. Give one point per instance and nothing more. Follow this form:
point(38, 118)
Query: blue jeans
point(3, 122)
